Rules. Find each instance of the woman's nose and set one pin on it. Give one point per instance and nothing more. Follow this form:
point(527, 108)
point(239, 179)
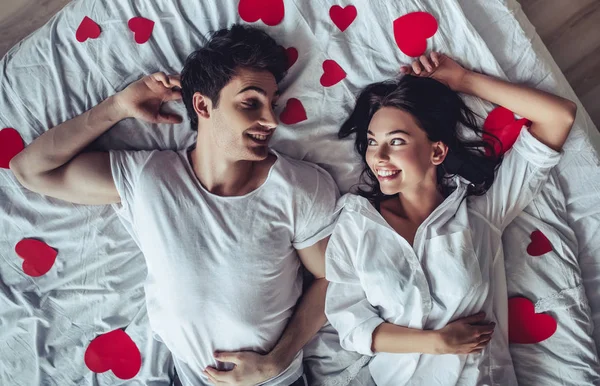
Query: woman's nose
point(382, 154)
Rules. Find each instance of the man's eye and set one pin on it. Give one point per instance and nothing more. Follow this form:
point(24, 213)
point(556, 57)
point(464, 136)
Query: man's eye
point(274, 106)
point(250, 104)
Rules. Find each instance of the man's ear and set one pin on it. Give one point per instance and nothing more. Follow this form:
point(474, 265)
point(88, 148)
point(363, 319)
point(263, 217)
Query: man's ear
point(439, 152)
point(202, 105)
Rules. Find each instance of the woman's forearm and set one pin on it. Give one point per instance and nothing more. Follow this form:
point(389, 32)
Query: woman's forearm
point(551, 115)
point(391, 338)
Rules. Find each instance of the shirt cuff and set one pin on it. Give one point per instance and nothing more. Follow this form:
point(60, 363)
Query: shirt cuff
point(535, 151)
point(363, 336)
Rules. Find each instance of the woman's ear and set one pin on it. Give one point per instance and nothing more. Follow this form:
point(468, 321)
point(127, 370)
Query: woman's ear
point(202, 105)
point(439, 152)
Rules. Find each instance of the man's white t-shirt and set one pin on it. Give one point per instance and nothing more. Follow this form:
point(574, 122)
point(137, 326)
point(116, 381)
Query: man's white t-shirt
point(223, 273)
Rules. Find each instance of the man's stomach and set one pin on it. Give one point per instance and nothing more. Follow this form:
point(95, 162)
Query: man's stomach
point(196, 318)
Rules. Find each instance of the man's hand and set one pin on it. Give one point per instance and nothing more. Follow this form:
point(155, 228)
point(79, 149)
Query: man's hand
point(143, 98)
point(250, 369)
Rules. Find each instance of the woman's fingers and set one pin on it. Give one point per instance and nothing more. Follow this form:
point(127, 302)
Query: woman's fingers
point(425, 62)
point(416, 66)
point(484, 338)
point(485, 329)
point(406, 70)
point(474, 319)
point(435, 57)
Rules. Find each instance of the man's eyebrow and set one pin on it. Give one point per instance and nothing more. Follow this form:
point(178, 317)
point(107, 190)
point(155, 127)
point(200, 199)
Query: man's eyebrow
point(258, 90)
point(391, 132)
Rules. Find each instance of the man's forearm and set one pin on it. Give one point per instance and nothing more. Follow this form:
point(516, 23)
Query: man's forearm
point(307, 320)
point(60, 144)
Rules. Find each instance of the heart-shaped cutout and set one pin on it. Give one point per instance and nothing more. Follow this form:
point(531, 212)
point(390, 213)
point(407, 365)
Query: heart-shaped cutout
point(88, 29)
point(142, 28)
point(114, 351)
point(525, 326)
point(539, 244)
point(412, 30)
point(332, 73)
point(271, 12)
point(38, 256)
point(501, 123)
point(342, 17)
point(292, 56)
point(11, 144)
point(294, 112)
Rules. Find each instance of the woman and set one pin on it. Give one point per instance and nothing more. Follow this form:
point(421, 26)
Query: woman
point(421, 246)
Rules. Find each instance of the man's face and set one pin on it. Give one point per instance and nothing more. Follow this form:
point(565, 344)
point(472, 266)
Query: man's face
point(244, 121)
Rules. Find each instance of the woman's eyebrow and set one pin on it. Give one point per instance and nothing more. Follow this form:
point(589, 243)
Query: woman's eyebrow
point(391, 132)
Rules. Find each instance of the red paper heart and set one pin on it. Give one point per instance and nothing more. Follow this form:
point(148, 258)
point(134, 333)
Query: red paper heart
point(293, 113)
point(292, 56)
point(114, 351)
point(11, 144)
point(501, 123)
point(88, 29)
point(271, 12)
point(524, 325)
point(332, 73)
point(141, 28)
point(38, 256)
point(539, 244)
point(342, 17)
point(412, 30)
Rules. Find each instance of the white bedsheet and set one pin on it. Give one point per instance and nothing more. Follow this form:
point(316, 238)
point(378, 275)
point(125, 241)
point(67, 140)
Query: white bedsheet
point(95, 285)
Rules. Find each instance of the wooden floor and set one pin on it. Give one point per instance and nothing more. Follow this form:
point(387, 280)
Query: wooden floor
point(569, 28)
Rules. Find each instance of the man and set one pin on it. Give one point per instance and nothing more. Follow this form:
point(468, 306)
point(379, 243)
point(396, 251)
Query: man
point(222, 225)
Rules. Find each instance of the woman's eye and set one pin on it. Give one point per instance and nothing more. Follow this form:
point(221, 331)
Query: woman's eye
point(397, 141)
point(371, 142)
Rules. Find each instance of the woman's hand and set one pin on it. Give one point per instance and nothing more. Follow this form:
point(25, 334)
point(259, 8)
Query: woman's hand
point(439, 67)
point(465, 335)
point(143, 98)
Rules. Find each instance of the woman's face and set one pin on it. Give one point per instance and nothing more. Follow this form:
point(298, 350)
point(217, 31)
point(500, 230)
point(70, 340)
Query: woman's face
point(399, 152)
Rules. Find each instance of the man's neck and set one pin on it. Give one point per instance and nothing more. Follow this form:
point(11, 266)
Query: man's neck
point(220, 175)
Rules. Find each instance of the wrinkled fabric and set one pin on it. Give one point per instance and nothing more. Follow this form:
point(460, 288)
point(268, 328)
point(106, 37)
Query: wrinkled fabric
point(96, 284)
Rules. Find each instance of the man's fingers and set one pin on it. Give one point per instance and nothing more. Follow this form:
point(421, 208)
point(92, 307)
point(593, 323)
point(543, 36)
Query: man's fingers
point(231, 357)
point(175, 80)
point(174, 95)
point(435, 57)
point(218, 377)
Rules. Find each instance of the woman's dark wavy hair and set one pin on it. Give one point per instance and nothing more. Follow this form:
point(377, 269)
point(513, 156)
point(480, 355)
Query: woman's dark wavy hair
point(208, 69)
point(439, 111)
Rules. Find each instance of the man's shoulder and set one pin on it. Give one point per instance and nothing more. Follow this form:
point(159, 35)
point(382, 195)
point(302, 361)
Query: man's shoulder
point(304, 175)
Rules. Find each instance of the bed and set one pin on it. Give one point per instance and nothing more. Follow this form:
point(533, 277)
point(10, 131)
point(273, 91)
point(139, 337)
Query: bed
point(95, 284)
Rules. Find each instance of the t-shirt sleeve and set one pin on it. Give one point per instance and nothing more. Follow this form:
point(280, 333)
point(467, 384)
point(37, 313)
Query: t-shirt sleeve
point(126, 167)
point(523, 172)
point(316, 209)
point(346, 306)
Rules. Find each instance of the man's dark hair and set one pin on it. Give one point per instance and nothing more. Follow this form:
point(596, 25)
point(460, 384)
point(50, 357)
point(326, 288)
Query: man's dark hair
point(210, 68)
